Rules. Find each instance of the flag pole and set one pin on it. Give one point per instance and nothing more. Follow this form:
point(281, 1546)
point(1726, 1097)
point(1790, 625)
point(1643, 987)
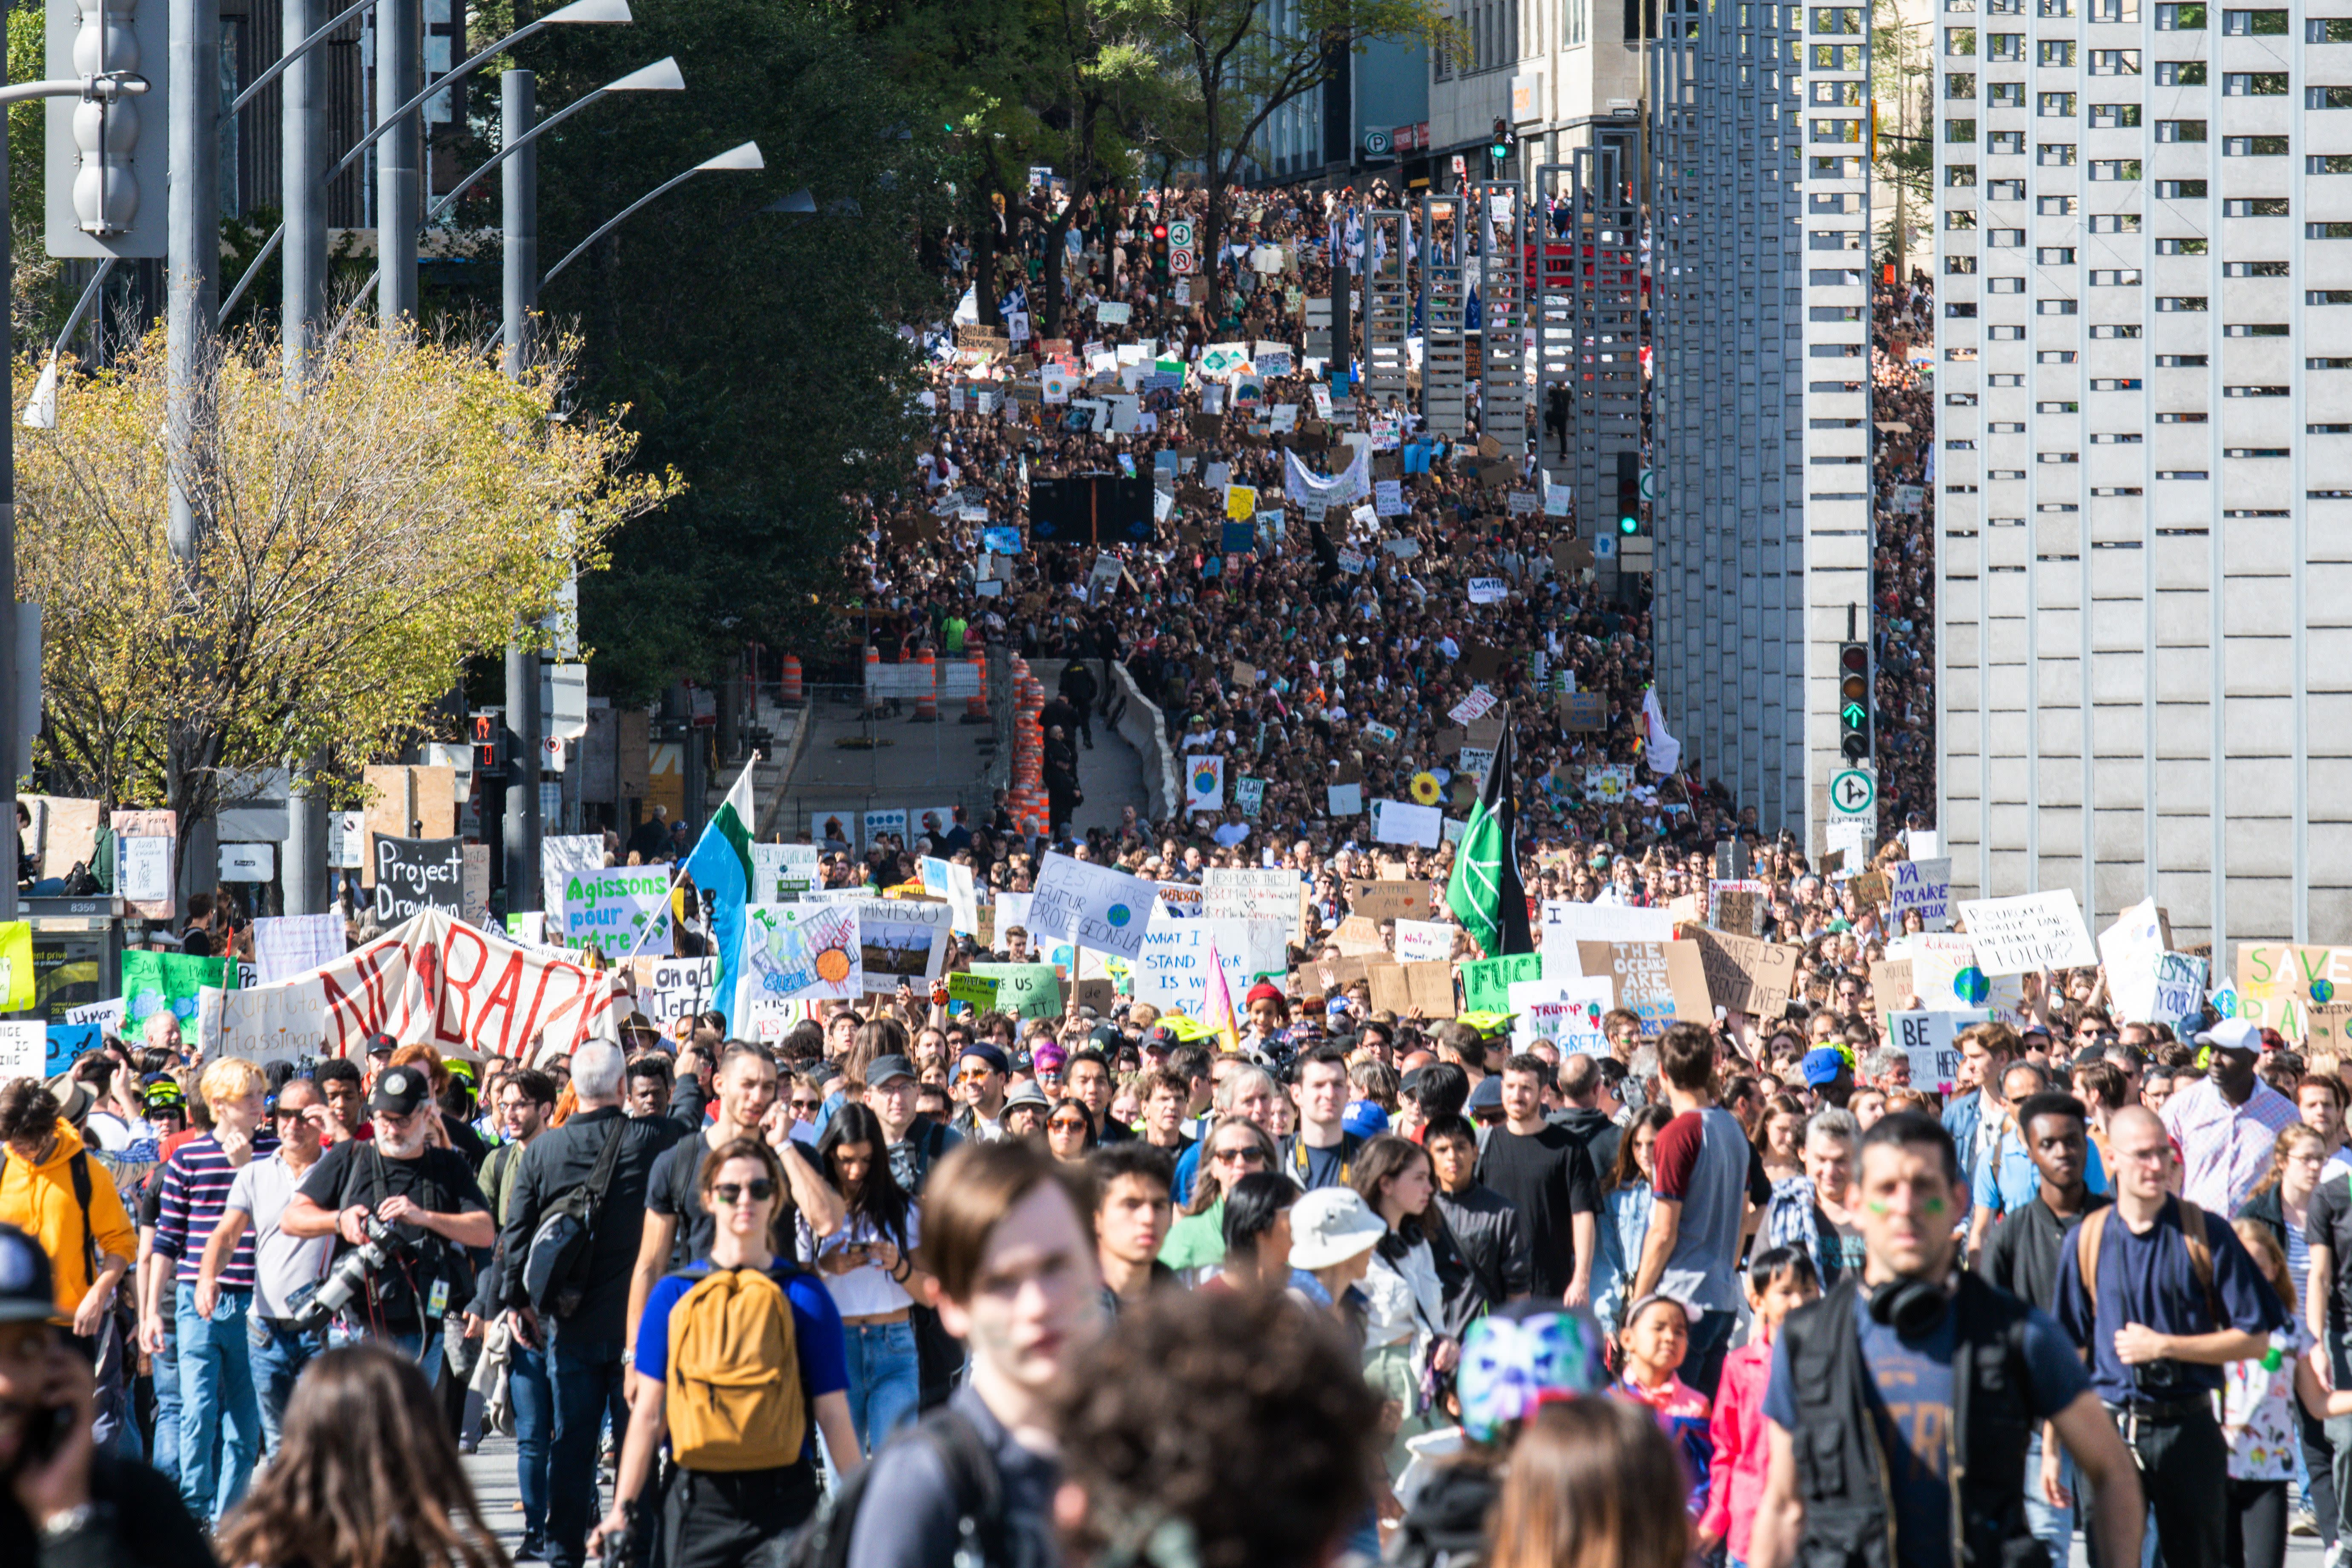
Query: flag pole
point(671, 891)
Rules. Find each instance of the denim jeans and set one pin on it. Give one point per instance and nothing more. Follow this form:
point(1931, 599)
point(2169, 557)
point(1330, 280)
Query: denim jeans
point(2053, 1527)
point(534, 1421)
point(278, 1355)
point(884, 1385)
point(588, 1380)
point(413, 1344)
point(163, 1375)
point(220, 1419)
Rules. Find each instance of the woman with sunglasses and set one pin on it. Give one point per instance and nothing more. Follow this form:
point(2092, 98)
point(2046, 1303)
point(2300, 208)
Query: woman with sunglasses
point(731, 1516)
point(869, 1266)
point(1234, 1148)
point(1070, 1131)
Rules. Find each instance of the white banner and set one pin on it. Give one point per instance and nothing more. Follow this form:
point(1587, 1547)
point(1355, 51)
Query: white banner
point(2029, 931)
point(1402, 821)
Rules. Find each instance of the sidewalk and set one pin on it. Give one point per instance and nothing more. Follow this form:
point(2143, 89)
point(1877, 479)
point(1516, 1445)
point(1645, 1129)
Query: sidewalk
point(1111, 776)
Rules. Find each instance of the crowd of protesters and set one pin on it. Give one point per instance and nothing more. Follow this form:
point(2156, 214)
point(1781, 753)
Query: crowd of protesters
point(1903, 333)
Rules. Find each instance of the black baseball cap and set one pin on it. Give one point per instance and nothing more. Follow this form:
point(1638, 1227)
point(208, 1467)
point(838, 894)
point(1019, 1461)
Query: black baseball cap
point(882, 1069)
point(382, 1044)
point(401, 1090)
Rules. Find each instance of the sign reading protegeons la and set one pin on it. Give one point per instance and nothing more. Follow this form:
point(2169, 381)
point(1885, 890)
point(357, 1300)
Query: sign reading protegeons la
point(437, 980)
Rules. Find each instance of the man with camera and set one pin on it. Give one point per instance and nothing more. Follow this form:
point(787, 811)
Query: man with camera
point(403, 1214)
point(2161, 1296)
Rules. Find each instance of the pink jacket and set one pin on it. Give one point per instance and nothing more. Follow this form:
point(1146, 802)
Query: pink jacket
point(1737, 1428)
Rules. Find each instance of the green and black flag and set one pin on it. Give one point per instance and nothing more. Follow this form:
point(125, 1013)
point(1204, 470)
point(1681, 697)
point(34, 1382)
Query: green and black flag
point(1485, 891)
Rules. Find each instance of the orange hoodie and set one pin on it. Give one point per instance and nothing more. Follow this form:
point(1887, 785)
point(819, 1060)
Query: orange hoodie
point(39, 1200)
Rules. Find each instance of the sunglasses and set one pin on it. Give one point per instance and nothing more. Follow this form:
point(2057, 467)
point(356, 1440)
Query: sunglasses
point(761, 1188)
point(807, 1104)
point(1067, 1124)
point(1240, 1156)
point(980, 1077)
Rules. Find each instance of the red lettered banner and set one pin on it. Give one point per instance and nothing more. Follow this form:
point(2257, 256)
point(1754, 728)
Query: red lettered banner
point(433, 980)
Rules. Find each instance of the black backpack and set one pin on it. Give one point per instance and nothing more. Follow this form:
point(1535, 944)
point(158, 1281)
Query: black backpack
point(824, 1541)
point(555, 1264)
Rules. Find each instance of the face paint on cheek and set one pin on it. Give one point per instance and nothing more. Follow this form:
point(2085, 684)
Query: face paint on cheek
point(1935, 1205)
point(1877, 1207)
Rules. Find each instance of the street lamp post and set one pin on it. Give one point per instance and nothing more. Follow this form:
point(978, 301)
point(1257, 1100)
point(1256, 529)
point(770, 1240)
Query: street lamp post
point(519, 188)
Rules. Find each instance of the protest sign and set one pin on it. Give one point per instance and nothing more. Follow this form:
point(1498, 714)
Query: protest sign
point(1922, 885)
point(145, 849)
point(413, 874)
point(1932, 1042)
point(1024, 990)
point(891, 821)
point(617, 910)
point(65, 1044)
point(1475, 706)
point(1738, 906)
point(1745, 975)
point(1090, 905)
point(23, 1049)
point(1204, 782)
point(1659, 981)
point(2130, 949)
point(1391, 899)
point(1486, 982)
point(2029, 931)
point(669, 989)
point(900, 939)
point(1424, 941)
point(1172, 972)
point(286, 945)
point(1488, 591)
point(974, 993)
point(2275, 981)
point(164, 982)
point(1566, 1012)
point(273, 1022)
point(1240, 895)
point(797, 952)
point(1356, 936)
point(1946, 977)
point(1566, 923)
point(437, 980)
point(1177, 900)
point(562, 857)
point(2178, 997)
point(1402, 821)
point(783, 873)
point(1341, 800)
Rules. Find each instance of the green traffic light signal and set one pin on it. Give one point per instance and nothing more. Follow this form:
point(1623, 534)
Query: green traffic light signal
point(1629, 523)
point(1852, 715)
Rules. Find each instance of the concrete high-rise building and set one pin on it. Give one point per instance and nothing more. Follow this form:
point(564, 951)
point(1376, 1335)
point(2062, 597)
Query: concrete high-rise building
point(1760, 393)
point(2145, 458)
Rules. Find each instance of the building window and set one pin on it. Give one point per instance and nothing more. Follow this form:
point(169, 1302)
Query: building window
point(2115, 223)
point(2010, 141)
point(2005, 47)
point(2180, 130)
point(2181, 190)
point(2058, 53)
point(2328, 30)
point(2179, 19)
point(2253, 146)
point(2327, 231)
point(1959, 129)
point(2253, 84)
point(2190, 246)
point(2168, 302)
point(2253, 269)
point(2255, 330)
point(2114, 168)
point(2115, 330)
point(2113, 116)
point(2181, 73)
point(2255, 24)
point(1960, 85)
point(2005, 95)
point(2255, 206)
point(2115, 277)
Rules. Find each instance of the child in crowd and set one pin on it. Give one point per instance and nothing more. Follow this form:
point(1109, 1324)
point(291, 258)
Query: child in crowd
point(1780, 1281)
point(1655, 1337)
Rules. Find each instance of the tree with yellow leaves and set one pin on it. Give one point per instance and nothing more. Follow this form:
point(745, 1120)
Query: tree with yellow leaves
point(410, 509)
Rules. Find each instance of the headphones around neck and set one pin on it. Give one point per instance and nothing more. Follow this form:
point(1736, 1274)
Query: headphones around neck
point(1908, 1305)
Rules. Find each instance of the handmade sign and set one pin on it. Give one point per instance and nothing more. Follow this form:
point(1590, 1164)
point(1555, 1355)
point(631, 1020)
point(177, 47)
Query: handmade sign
point(1402, 821)
point(1745, 975)
point(1932, 1042)
point(1566, 923)
point(781, 873)
point(796, 952)
point(617, 910)
point(153, 983)
point(900, 939)
point(1922, 885)
point(2029, 931)
point(1659, 981)
point(1486, 982)
point(1394, 899)
point(286, 945)
point(1024, 990)
point(1091, 905)
point(413, 874)
point(1424, 941)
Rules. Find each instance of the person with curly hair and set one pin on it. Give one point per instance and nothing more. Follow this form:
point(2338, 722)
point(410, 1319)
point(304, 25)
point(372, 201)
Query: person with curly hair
point(1276, 1413)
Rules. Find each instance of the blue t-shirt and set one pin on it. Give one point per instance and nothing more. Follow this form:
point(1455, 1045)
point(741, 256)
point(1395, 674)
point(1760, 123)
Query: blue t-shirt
point(2007, 1181)
point(1910, 1397)
point(2149, 1280)
point(817, 1336)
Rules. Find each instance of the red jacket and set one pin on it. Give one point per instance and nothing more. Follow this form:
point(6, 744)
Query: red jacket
point(1737, 1428)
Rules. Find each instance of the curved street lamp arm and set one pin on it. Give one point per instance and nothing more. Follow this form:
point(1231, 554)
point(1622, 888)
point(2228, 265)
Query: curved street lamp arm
point(517, 146)
point(290, 56)
point(615, 222)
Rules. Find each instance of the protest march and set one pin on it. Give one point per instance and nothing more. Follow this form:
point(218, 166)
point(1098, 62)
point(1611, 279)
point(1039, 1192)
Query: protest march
point(1430, 1121)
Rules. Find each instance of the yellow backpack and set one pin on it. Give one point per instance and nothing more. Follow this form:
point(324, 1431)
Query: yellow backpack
point(735, 1401)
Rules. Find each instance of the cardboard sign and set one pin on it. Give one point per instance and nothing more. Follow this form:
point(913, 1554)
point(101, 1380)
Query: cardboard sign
point(2275, 981)
point(2029, 931)
point(1738, 906)
point(1092, 906)
point(1659, 981)
point(1024, 990)
point(1356, 936)
point(146, 846)
point(1745, 975)
point(413, 874)
point(901, 939)
point(1396, 899)
point(1583, 710)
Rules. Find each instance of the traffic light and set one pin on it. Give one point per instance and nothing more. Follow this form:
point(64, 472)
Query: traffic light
point(1629, 493)
point(1160, 252)
point(1499, 148)
point(489, 742)
point(1854, 701)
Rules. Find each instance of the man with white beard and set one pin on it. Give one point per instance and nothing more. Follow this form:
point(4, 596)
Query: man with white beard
point(425, 1193)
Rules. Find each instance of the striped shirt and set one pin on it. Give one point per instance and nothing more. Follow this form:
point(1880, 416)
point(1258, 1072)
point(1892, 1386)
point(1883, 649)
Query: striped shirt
point(196, 1183)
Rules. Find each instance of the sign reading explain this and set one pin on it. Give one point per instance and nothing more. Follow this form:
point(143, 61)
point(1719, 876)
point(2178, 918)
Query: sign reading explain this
point(1091, 906)
point(413, 874)
point(2029, 931)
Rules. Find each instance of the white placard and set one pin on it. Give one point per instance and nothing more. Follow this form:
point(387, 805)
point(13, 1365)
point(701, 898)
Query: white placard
point(1566, 1012)
point(1204, 781)
point(1922, 885)
point(1929, 1040)
point(783, 873)
point(1090, 905)
point(794, 952)
point(286, 945)
point(347, 840)
point(1402, 821)
point(1488, 590)
point(1227, 894)
point(144, 871)
point(1474, 706)
point(1422, 942)
point(1566, 922)
point(2029, 931)
point(249, 862)
point(1172, 970)
point(2131, 949)
point(561, 857)
point(901, 939)
point(23, 1049)
point(1343, 800)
